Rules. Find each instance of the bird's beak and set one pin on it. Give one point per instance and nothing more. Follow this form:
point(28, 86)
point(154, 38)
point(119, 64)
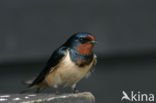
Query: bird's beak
point(93, 41)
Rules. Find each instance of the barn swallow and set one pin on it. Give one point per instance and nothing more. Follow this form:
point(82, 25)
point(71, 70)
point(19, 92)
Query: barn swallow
point(68, 64)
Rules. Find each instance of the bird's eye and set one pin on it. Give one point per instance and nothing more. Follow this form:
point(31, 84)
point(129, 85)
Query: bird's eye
point(84, 40)
point(81, 39)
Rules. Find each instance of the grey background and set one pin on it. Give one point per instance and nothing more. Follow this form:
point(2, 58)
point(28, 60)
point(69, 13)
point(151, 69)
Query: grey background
point(125, 30)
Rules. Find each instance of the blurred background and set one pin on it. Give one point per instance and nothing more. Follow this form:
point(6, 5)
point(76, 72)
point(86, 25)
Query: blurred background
point(30, 30)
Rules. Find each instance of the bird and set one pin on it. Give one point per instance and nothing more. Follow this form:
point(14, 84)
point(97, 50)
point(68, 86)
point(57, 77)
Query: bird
point(67, 65)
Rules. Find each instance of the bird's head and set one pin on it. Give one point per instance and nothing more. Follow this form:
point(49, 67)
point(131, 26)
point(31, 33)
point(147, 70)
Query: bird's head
point(82, 42)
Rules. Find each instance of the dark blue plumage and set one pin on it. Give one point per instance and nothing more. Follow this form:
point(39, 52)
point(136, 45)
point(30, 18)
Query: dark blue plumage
point(76, 56)
point(75, 39)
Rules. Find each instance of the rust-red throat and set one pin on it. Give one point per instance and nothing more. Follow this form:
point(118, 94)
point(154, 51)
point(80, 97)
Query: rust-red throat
point(86, 48)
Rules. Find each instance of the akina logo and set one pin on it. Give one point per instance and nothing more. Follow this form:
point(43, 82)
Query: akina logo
point(137, 96)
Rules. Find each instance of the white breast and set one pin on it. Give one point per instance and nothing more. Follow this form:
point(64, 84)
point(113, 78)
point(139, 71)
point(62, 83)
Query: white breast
point(68, 73)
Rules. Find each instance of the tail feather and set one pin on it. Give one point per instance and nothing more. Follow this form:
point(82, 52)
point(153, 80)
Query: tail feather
point(28, 81)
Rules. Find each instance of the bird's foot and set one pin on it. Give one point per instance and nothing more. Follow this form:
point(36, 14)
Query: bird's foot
point(75, 90)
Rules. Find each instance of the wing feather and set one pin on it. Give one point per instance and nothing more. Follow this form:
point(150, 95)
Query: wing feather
point(52, 62)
